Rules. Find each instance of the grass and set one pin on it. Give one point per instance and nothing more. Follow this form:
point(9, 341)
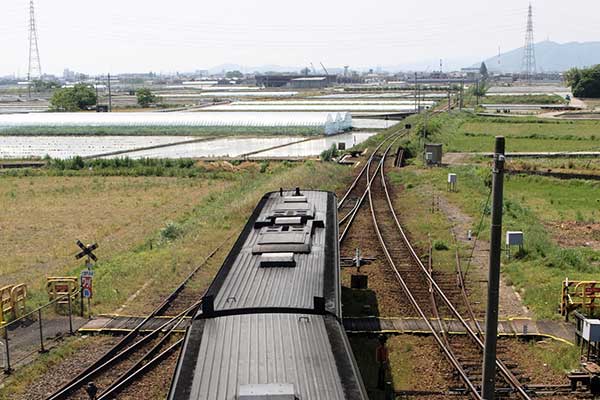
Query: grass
point(558, 356)
point(144, 225)
point(42, 216)
point(575, 165)
point(418, 211)
point(467, 133)
point(525, 99)
point(530, 203)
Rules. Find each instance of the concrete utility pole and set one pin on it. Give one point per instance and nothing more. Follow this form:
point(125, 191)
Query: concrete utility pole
point(462, 93)
point(416, 105)
point(449, 103)
point(491, 315)
point(109, 96)
point(96, 86)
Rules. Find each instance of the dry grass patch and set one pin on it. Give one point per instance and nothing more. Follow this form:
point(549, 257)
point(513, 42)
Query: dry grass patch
point(41, 217)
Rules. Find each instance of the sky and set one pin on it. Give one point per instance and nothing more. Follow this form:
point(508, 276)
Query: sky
point(186, 35)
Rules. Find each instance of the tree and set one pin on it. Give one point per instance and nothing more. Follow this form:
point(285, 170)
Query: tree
point(39, 85)
point(584, 82)
point(572, 77)
point(145, 97)
point(234, 74)
point(479, 89)
point(484, 71)
point(78, 97)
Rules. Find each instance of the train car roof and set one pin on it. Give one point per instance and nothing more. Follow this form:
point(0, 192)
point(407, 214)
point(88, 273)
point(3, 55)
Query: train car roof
point(308, 353)
point(243, 282)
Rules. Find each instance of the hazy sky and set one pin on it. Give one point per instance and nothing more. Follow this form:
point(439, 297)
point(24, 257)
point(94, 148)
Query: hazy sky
point(183, 35)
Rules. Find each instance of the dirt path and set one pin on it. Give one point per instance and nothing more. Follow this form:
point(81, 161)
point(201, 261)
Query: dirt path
point(510, 300)
point(575, 102)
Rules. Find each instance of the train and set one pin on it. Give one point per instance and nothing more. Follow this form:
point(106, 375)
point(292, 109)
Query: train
point(270, 324)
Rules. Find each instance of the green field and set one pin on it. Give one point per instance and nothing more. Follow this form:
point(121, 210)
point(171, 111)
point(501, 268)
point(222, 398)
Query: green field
point(524, 99)
point(468, 133)
point(531, 205)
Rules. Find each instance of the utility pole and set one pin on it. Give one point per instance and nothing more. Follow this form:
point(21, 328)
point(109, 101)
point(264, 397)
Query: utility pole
point(477, 93)
point(418, 97)
point(416, 104)
point(462, 93)
point(491, 316)
point(96, 85)
point(449, 104)
point(109, 96)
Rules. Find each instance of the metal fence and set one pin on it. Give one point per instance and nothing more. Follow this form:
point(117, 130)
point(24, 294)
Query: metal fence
point(36, 332)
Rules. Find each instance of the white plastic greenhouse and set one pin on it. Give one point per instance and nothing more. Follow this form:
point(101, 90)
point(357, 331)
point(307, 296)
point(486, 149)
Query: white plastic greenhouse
point(283, 122)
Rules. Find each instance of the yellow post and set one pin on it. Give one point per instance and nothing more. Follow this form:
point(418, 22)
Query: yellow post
point(5, 302)
point(18, 295)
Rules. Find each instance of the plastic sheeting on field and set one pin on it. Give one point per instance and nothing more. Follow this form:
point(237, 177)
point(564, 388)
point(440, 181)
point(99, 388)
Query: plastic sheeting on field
point(402, 108)
point(321, 122)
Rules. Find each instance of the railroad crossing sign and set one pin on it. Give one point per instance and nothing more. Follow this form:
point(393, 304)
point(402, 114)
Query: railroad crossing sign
point(86, 250)
point(86, 283)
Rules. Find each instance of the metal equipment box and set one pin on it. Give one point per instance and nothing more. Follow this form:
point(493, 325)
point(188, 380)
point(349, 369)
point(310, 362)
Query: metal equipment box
point(436, 153)
point(452, 178)
point(591, 330)
point(269, 391)
point(514, 238)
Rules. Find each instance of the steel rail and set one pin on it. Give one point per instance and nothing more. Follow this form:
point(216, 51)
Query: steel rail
point(434, 308)
point(111, 394)
point(506, 373)
point(80, 381)
point(463, 288)
point(68, 387)
point(370, 179)
point(402, 132)
point(445, 349)
point(138, 365)
point(361, 173)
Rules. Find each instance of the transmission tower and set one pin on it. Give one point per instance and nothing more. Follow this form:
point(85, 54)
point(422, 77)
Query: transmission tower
point(528, 67)
point(35, 67)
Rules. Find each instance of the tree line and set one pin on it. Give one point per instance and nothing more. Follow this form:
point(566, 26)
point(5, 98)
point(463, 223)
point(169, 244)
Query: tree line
point(83, 97)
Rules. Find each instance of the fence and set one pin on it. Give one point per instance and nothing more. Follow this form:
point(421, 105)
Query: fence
point(37, 331)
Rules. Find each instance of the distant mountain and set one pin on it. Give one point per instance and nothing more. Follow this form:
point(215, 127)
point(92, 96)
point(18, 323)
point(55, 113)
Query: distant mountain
point(550, 57)
point(249, 69)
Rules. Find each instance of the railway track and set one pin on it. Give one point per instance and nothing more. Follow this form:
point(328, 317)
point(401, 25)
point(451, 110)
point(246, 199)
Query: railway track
point(353, 199)
point(136, 353)
point(426, 296)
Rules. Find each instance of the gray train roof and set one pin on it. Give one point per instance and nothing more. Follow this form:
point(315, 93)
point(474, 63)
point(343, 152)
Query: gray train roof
point(307, 352)
point(243, 282)
point(272, 314)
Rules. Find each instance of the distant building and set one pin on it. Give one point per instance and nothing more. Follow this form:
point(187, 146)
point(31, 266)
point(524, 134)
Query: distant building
point(283, 80)
point(309, 82)
point(471, 72)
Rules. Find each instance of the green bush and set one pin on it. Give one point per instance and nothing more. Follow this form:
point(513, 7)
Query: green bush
point(440, 245)
point(170, 232)
point(329, 154)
